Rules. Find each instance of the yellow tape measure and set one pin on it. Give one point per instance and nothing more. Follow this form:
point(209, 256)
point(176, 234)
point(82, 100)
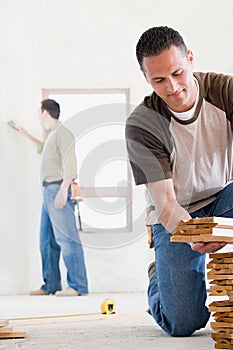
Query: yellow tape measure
point(108, 307)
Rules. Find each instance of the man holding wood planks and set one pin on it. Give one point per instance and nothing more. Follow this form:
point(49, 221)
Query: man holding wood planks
point(179, 141)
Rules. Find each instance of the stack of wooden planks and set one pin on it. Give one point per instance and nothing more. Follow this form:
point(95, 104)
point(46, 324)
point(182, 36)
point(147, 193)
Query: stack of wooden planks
point(221, 284)
point(220, 274)
point(206, 229)
point(7, 332)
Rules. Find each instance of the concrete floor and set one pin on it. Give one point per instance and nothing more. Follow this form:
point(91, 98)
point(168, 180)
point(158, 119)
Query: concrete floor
point(77, 323)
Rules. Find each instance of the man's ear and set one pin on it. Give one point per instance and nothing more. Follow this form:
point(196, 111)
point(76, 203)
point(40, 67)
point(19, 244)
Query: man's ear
point(190, 57)
point(46, 113)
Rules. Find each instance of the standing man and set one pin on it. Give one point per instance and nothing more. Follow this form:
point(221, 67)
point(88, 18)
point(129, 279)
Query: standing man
point(58, 230)
point(179, 142)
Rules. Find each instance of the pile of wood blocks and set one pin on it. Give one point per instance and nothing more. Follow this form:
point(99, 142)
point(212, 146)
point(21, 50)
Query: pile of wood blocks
point(7, 332)
point(206, 229)
point(220, 275)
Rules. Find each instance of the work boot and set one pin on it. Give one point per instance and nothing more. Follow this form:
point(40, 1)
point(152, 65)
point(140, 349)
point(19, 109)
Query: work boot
point(39, 292)
point(68, 292)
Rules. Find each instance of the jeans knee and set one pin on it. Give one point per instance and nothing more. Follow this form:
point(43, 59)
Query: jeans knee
point(181, 331)
point(186, 326)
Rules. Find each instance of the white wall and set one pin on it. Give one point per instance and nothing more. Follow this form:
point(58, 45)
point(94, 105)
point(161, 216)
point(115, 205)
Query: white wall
point(82, 44)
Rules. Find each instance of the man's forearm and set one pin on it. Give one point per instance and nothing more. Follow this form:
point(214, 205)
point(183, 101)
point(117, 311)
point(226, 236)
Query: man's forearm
point(168, 209)
point(25, 133)
point(65, 184)
point(170, 214)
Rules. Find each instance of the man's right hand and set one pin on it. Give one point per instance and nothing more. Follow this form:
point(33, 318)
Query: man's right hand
point(21, 130)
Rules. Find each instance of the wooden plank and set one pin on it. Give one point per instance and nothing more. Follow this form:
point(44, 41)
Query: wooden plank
point(214, 276)
point(220, 308)
point(223, 314)
point(222, 260)
point(223, 331)
point(224, 319)
point(220, 288)
point(222, 303)
point(184, 227)
point(218, 325)
point(194, 232)
point(223, 346)
point(209, 220)
point(212, 265)
point(3, 323)
point(221, 336)
point(6, 329)
point(200, 238)
point(217, 293)
point(222, 282)
point(221, 255)
point(181, 238)
point(11, 335)
point(222, 271)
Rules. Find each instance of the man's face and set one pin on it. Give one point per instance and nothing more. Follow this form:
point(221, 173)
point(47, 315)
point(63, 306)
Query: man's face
point(170, 75)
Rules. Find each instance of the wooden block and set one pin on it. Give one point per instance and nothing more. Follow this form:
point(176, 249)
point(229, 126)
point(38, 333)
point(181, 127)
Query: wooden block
point(220, 309)
point(217, 293)
point(196, 231)
point(219, 325)
point(200, 238)
point(222, 282)
point(180, 238)
point(222, 303)
point(223, 346)
point(222, 261)
point(214, 276)
point(221, 255)
point(224, 319)
point(212, 265)
point(185, 227)
point(224, 314)
point(222, 271)
point(209, 220)
point(5, 329)
point(221, 306)
point(3, 323)
point(220, 288)
point(221, 336)
point(10, 335)
point(224, 331)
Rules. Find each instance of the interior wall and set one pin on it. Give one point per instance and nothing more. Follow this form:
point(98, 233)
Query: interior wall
point(82, 44)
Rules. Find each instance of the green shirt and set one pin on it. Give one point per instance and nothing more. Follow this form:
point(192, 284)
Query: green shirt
point(58, 155)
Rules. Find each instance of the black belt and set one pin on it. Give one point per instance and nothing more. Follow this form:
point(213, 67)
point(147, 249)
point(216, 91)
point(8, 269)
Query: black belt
point(45, 183)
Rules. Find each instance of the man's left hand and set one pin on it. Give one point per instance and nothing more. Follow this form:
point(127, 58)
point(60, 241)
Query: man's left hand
point(60, 199)
point(209, 247)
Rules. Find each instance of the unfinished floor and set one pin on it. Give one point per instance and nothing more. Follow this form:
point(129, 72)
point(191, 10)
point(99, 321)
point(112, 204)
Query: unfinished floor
point(53, 323)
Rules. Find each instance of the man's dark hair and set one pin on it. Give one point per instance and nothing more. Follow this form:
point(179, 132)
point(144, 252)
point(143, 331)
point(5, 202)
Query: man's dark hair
point(156, 40)
point(52, 107)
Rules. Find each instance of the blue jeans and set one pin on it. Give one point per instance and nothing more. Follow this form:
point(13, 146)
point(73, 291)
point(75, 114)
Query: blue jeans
point(177, 292)
point(59, 234)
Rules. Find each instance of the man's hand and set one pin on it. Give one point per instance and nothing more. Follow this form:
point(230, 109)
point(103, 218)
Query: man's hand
point(21, 130)
point(60, 199)
point(62, 195)
point(209, 247)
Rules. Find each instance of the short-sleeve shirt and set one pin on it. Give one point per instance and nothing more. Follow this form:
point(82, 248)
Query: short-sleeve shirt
point(196, 153)
point(58, 156)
